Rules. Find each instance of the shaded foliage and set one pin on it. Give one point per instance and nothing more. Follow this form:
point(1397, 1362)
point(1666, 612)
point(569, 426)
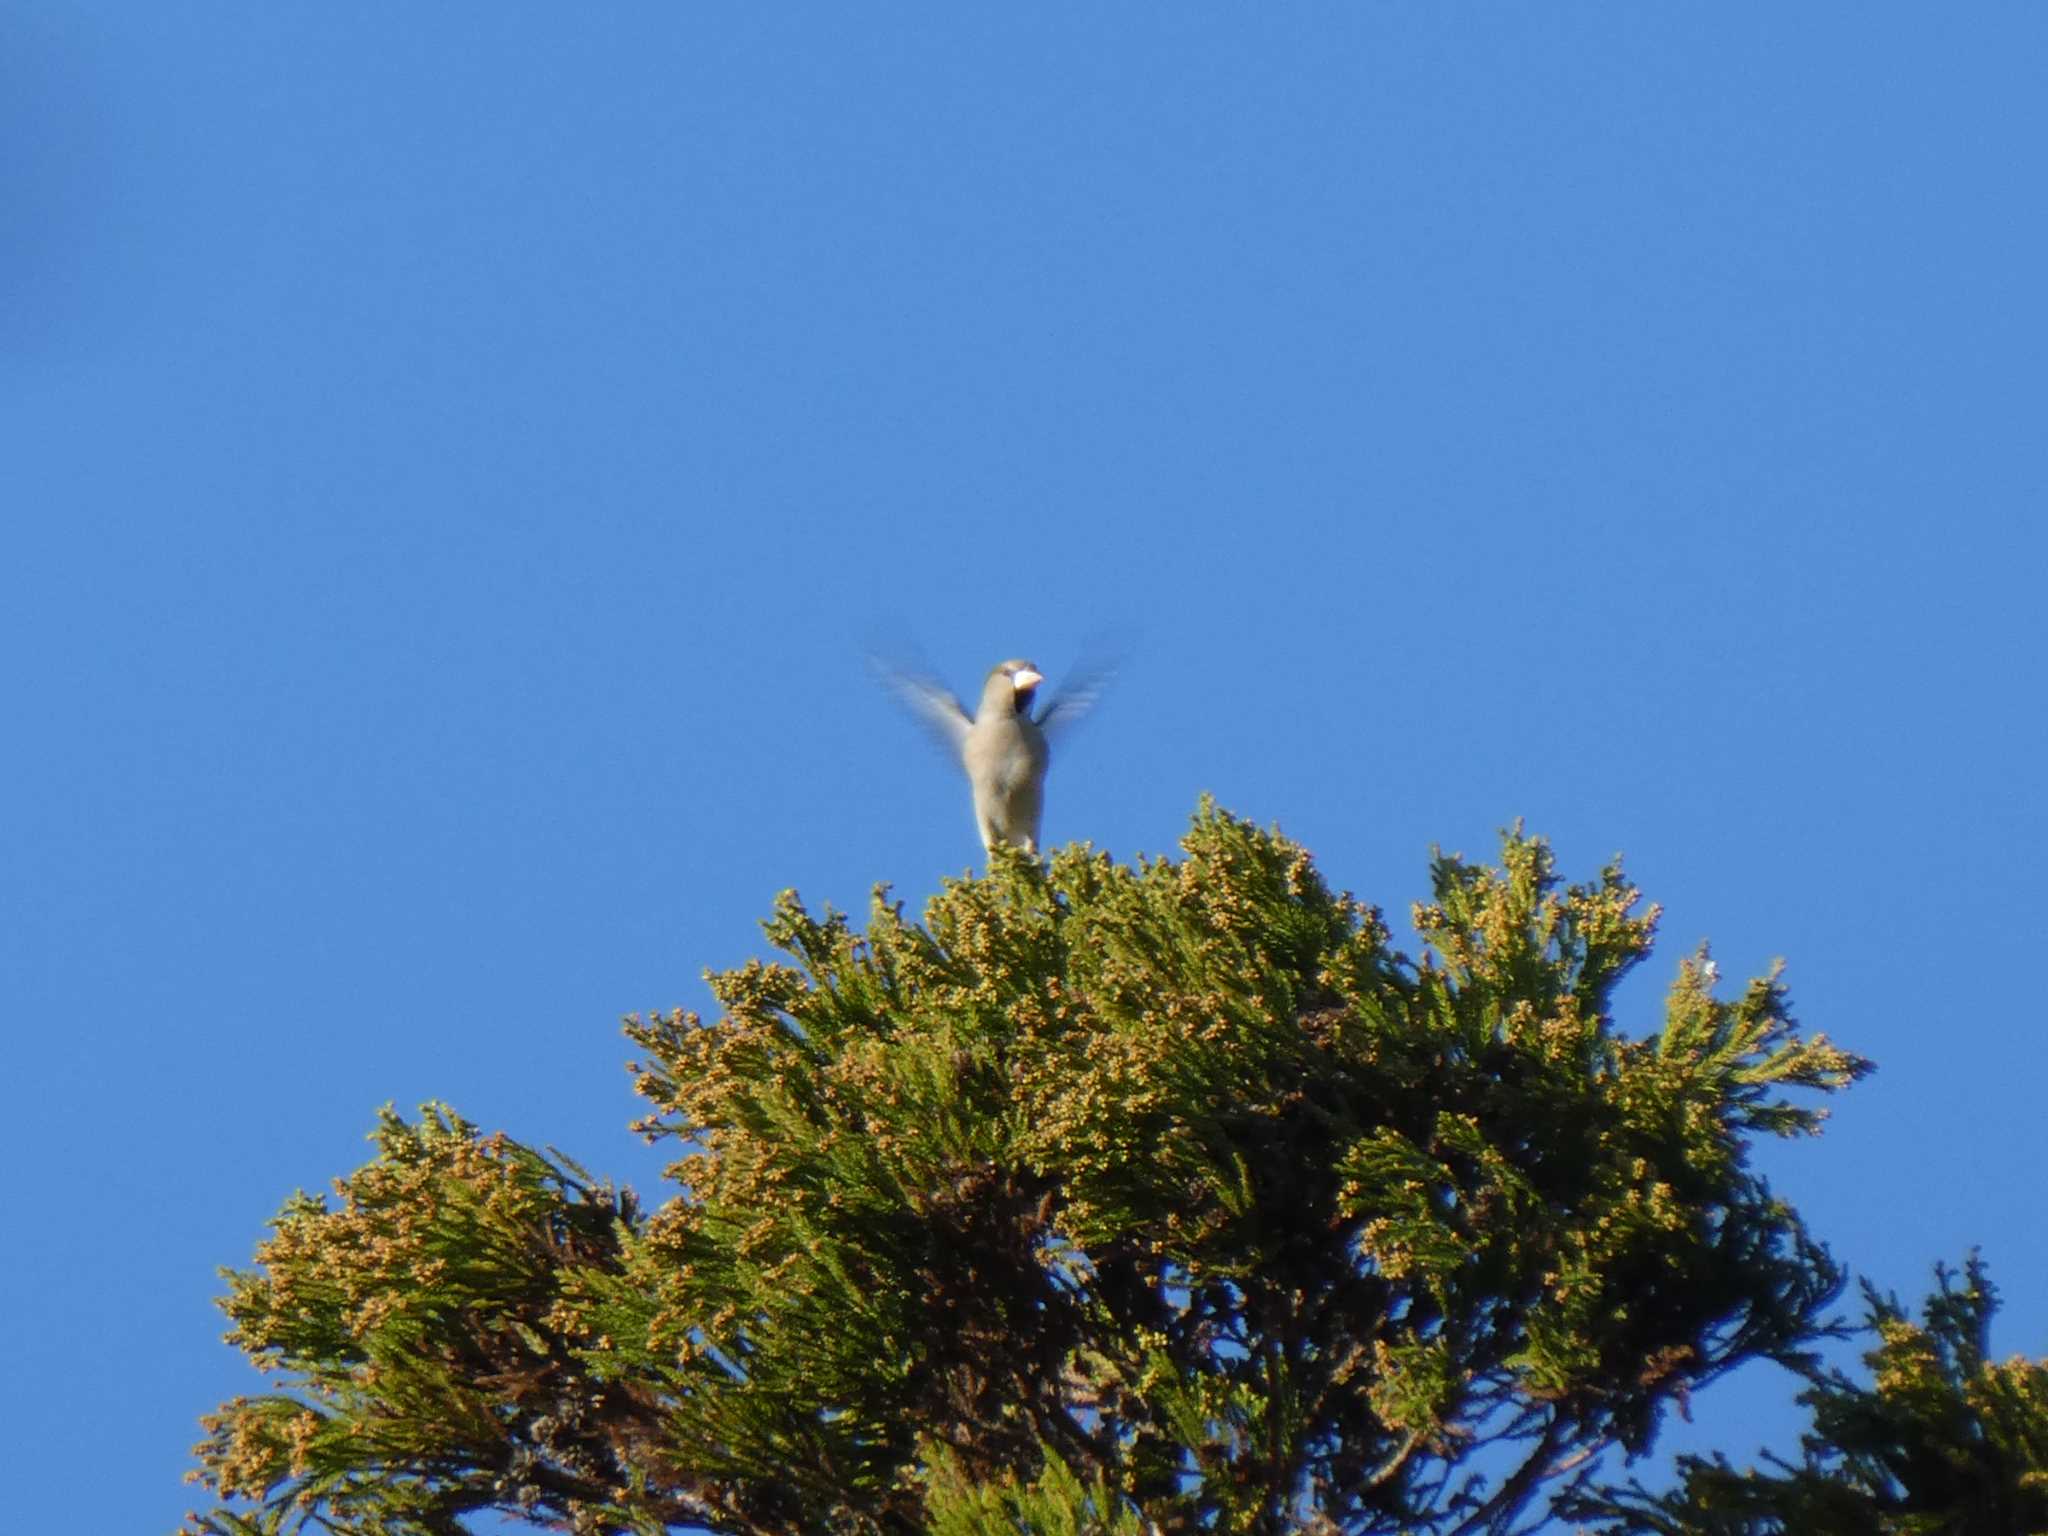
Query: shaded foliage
point(1166, 1197)
point(1945, 1441)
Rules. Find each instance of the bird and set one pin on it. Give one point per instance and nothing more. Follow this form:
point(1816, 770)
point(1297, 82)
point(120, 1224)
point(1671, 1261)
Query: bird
point(1002, 748)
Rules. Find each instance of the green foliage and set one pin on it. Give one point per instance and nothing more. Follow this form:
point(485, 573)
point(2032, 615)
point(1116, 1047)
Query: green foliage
point(1166, 1197)
point(415, 1328)
point(1945, 1441)
point(1056, 1503)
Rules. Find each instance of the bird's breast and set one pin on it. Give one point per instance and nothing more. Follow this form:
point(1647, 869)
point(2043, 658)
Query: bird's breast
point(1006, 754)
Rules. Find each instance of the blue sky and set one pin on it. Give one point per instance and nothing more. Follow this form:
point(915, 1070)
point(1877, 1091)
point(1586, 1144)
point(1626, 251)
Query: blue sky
point(456, 455)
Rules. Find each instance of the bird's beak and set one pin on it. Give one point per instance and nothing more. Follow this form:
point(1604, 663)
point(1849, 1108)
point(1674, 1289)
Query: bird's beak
point(1025, 678)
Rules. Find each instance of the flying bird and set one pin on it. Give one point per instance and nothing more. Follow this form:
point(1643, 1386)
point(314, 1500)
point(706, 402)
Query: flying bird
point(1003, 749)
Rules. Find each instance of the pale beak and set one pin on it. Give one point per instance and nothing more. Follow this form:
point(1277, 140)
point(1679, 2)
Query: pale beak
point(1025, 678)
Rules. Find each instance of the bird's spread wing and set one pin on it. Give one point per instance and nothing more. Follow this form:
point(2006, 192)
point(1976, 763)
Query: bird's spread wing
point(1079, 690)
point(930, 702)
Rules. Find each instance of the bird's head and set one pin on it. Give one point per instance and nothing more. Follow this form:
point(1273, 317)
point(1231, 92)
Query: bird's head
point(1018, 680)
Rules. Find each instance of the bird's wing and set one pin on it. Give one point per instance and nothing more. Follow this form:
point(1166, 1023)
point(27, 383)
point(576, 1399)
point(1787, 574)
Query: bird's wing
point(1079, 690)
point(930, 702)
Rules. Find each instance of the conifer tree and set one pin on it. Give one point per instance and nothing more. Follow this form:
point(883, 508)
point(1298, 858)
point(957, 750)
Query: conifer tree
point(1165, 1197)
point(1945, 1441)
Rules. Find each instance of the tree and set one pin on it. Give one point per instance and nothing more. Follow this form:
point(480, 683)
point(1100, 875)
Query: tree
point(1166, 1197)
point(1945, 1441)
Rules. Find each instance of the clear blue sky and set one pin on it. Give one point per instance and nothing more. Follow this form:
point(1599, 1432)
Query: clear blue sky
point(455, 455)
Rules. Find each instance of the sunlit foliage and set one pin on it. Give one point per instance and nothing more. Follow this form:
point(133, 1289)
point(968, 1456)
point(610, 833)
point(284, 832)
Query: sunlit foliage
point(1112, 1198)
